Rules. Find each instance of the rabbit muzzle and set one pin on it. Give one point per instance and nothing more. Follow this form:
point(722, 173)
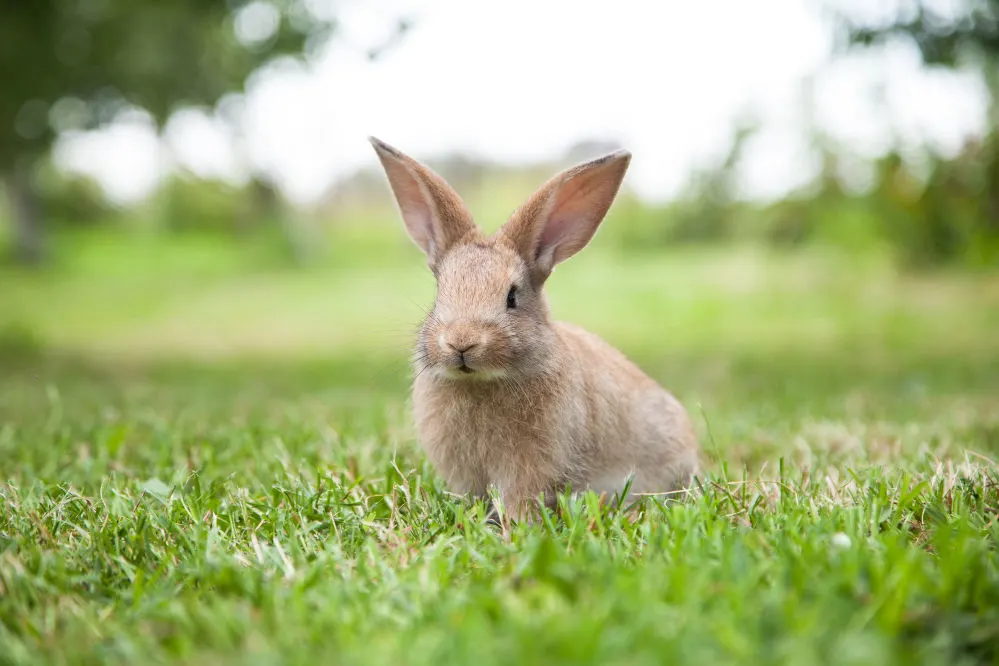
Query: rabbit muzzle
point(467, 349)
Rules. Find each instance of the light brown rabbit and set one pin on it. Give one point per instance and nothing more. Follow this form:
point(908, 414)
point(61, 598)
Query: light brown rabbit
point(506, 397)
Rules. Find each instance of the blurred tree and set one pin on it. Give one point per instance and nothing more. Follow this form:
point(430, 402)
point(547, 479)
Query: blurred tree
point(69, 199)
point(956, 217)
point(76, 65)
point(706, 209)
point(945, 33)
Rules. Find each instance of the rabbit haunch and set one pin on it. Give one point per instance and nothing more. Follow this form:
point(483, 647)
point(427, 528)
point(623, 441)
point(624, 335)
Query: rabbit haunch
point(506, 397)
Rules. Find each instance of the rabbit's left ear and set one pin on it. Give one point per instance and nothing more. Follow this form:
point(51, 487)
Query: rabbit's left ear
point(561, 217)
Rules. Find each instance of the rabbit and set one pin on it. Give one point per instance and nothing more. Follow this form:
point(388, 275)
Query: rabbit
point(504, 397)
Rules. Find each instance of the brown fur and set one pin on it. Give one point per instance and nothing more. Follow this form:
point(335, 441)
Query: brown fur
point(508, 398)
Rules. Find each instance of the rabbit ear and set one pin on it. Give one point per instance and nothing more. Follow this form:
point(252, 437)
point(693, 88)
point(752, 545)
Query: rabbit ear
point(435, 216)
point(562, 216)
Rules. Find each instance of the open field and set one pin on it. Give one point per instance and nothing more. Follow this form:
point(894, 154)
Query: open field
point(207, 460)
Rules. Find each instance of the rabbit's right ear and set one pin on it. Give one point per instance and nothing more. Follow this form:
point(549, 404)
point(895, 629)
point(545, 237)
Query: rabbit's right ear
point(435, 216)
point(561, 217)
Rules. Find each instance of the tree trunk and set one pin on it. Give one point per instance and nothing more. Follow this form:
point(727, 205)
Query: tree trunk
point(26, 223)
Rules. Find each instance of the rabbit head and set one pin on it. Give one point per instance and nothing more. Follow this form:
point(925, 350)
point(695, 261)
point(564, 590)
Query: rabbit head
point(490, 318)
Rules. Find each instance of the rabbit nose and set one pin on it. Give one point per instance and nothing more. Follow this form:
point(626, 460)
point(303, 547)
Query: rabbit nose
point(461, 340)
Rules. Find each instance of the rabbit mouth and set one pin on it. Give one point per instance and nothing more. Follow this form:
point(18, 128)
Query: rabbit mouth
point(465, 374)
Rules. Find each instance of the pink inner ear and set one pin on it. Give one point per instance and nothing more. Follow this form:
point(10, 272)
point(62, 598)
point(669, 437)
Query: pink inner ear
point(416, 212)
point(563, 235)
point(417, 216)
point(572, 221)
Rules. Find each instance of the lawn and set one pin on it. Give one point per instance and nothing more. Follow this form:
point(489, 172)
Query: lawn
point(208, 460)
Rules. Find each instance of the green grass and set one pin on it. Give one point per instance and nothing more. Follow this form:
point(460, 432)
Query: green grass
point(207, 461)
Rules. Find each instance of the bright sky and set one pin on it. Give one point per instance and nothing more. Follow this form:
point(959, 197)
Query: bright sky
point(525, 79)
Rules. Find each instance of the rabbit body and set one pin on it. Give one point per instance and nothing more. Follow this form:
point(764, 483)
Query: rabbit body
point(585, 423)
point(506, 397)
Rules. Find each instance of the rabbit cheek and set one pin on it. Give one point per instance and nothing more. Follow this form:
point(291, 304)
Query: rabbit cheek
point(430, 355)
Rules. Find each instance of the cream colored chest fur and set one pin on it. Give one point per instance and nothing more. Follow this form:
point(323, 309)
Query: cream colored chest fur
point(482, 436)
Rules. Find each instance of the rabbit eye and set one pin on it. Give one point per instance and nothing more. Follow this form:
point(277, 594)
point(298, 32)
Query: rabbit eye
point(511, 298)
